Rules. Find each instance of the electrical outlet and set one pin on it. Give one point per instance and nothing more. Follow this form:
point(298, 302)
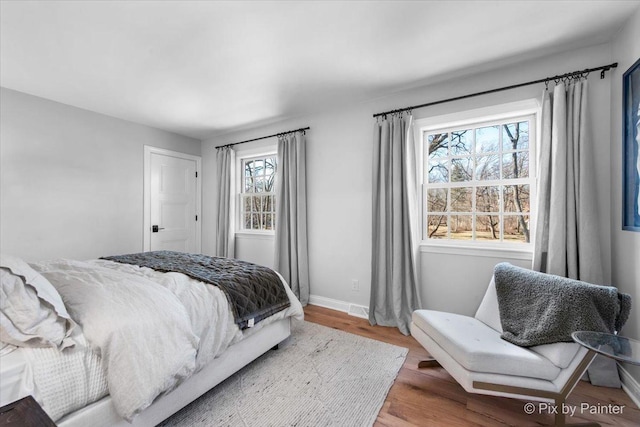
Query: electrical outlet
point(355, 285)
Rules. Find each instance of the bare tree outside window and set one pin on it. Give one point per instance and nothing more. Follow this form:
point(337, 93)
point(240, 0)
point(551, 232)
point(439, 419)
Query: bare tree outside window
point(258, 193)
point(478, 182)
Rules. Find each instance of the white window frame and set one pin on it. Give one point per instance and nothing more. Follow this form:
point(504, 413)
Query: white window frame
point(241, 157)
point(471, 118)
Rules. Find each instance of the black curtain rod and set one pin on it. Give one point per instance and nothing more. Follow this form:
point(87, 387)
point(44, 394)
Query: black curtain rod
point(265, 137)
point(546, 79)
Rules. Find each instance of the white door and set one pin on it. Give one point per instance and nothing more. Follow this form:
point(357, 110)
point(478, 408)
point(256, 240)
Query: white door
point(172, 221)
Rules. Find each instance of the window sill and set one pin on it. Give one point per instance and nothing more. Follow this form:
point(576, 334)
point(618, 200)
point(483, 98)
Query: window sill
point(262, 235)
point(511, 252)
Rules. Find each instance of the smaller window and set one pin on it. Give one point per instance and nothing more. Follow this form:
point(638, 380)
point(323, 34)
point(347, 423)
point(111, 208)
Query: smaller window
point(257, 193)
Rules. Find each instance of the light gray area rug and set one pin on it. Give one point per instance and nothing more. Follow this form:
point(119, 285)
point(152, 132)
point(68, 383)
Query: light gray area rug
point(318, 377)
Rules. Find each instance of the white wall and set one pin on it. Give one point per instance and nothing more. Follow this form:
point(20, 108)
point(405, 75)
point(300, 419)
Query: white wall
point(339, 180)
point(447, 287)
point(625, 248)
point(71, 180)
point(255, 248)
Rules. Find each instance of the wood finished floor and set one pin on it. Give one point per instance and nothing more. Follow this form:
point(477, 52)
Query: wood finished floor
point(431, 397)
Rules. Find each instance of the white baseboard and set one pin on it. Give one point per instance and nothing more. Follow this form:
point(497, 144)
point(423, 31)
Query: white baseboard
point(630, 385)
point(334, 304)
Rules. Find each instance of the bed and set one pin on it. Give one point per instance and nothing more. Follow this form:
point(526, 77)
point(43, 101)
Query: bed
point(123, 344)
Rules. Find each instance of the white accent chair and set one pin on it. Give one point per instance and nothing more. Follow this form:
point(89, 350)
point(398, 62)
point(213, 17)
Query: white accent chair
point(471, 350)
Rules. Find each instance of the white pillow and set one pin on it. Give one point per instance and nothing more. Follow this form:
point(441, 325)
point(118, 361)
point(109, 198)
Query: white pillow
point(488, 312)
point(32, 313)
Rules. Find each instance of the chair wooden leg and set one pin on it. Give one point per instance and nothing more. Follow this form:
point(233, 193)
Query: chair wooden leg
point(428, 363)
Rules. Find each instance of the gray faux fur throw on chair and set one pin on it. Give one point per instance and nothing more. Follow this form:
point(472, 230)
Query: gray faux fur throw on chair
point(538, 308)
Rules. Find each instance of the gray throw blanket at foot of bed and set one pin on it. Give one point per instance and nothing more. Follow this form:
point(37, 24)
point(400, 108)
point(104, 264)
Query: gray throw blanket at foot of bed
point(254, 292)
point(538, 308)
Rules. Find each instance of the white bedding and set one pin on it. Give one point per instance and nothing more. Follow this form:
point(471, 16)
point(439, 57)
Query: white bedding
point(148, 331)
point(65, 381)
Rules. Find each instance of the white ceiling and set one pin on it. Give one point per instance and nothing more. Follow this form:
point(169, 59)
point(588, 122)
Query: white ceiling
point(204, 68)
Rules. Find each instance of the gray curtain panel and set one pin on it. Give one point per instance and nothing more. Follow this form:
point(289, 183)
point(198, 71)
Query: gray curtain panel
point(566, 242)
point(394, 289)
point(225, 158)
point(291, 256)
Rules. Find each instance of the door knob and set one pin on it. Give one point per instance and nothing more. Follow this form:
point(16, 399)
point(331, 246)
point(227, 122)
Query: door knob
point(155, 228)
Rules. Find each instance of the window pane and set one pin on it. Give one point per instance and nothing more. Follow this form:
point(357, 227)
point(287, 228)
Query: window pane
point(515, 165)
point(460, 226)
point(437, 200)
point(487, 139)
point(461, 169)
point(488, 199)
point(461, 199)
point(269, 165)
point(515, 136)
point(263, 221)
point(248, 185)
point(516, 228)
point(488, 167)
point(438, 145)
point(262, 201)
point(248, 168)
point(262, 204)
point(437, 226)
point(487, 227)
point(267, 205)
point(438, 171)
point(259, 167)
point(253, 204)
point(259, 184)
point(516, 198)
point(246, 204)
point(255, 221)
point(268, 183)
point(461, 142)
point(268, 222)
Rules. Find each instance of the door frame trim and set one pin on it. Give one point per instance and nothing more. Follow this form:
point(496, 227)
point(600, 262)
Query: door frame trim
point(146, 222)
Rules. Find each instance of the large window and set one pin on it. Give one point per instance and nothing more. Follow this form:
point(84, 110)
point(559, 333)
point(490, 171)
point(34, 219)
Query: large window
point(257, 197)
point(478, 181)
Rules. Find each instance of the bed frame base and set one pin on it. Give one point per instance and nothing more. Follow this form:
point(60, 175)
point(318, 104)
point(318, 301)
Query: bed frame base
point(102, 412)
